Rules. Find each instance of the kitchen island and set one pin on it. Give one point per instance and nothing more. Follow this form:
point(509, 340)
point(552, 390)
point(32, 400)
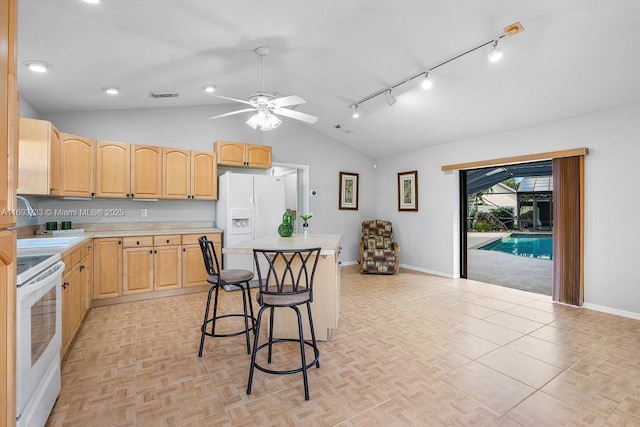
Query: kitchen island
point(326, 286)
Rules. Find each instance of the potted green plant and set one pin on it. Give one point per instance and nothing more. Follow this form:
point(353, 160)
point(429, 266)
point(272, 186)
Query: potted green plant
point(305, 223)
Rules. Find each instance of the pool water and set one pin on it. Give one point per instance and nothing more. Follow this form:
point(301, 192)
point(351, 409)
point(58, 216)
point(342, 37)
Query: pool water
point(532, 246)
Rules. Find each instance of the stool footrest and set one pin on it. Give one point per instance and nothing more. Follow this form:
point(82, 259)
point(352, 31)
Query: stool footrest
point(252, 321)
point(315, 361)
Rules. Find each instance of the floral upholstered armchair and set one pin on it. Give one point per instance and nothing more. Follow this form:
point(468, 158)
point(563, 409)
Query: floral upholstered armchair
point(378, 251)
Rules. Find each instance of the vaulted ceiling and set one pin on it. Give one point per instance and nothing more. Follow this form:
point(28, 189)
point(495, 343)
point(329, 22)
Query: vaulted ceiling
point(574, 57)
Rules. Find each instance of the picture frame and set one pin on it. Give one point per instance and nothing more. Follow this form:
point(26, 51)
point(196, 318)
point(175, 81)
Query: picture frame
point(349, 191)
point(408, 191)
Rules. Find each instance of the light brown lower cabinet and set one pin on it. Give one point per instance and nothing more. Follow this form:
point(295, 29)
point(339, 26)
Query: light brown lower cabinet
point(132, 265)
point(107, 267)
point(76, 292)
point(193, 271)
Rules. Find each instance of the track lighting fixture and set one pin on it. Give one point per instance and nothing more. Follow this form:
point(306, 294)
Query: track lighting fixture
point(426, 83)
point(390, 98)
point(494, 55)
point(354, 111)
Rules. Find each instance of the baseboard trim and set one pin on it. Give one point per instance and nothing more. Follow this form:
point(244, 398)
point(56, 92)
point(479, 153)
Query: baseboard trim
point(425, 270)
point(610, 310)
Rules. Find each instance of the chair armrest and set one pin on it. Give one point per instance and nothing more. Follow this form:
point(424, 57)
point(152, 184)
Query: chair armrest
point(361, 255)
point(397, 250)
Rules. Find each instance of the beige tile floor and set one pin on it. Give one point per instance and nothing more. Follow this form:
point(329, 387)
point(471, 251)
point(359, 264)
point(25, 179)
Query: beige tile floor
point(411, 349)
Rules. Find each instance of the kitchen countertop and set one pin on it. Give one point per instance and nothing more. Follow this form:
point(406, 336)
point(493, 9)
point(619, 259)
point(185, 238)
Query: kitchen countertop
point(84, 237)
point(329, 243)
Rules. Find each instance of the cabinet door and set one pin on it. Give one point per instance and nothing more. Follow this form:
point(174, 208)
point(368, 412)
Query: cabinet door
point(76, 165)
point(193, 271)
point(204, 175)
point(137, 270)
point(146, 171)
point(71, 291)
point(230, 153)
point(86, 280)
point(107, 267)
point(38, 157)
point(176, 173)
point(258, 156)
point(167, 262)
point(7, 327)
point(113, 160)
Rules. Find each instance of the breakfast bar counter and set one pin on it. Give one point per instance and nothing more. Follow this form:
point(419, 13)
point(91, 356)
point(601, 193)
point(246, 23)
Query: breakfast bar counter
point(326, 286)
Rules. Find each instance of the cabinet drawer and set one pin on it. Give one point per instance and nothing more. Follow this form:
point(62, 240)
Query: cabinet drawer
point(192, 239)
point(137, 241)
point(168, 240)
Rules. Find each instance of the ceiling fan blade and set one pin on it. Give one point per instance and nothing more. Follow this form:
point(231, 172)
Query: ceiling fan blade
point(233, 99)
point(295, 114)
point(287, 101)
point(232, 113)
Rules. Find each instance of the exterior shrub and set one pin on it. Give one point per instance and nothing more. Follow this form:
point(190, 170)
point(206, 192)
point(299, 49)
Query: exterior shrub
point(482, 226)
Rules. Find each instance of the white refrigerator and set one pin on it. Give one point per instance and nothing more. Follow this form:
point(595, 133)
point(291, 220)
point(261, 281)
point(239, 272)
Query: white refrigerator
point(249, 207)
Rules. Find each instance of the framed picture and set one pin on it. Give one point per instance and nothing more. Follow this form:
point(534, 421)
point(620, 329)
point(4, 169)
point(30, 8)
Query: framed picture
point(348, 191)
point(408, 191)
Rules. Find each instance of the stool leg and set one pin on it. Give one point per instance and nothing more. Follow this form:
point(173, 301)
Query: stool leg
point(253, 319)
point(302, 354)
point(215, 311)
point(246, 320)
point(271, 313)
point(256, 334)
point(204, 322)
point(316, 353)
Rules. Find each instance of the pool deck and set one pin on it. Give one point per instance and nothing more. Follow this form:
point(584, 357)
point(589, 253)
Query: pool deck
point(498, 268)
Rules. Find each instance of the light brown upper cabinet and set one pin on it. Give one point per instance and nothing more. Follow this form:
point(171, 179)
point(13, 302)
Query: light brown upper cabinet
point(76, 165)
point(243, 155)
point(113, 169)
point(189, 174)
point(146, 171)
point(38, 158)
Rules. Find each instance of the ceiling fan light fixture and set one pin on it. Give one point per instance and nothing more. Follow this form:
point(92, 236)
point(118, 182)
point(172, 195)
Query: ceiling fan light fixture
point(427, 82)
point(209, 88)
point(390, 98)
point(495, 54)
point(264, 121)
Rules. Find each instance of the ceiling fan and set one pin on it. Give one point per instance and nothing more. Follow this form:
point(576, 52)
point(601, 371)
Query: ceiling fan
point(267, 105)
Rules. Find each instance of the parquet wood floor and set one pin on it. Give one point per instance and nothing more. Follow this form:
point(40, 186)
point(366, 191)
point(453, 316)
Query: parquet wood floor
point(411, 349)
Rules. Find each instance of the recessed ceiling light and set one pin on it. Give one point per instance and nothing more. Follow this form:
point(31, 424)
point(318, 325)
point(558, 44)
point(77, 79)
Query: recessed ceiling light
point(37, 66)
point(111, 90)
point(91, 1)
point(209, 88)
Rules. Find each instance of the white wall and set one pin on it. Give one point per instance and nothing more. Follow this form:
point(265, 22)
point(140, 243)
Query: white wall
point(611, 208)
point(428, 238)
point(292, 142)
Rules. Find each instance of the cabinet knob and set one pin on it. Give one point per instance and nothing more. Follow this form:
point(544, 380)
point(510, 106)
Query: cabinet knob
point(119, 242)
point(81, 267)
point(64, 285)
point(151, 252)
point(137, 242)
point(167, 240)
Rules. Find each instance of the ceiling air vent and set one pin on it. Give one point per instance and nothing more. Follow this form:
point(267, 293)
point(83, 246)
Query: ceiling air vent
point(156, 95)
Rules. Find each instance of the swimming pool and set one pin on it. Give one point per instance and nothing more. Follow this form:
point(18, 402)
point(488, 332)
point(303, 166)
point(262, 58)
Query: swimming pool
point(529, 245)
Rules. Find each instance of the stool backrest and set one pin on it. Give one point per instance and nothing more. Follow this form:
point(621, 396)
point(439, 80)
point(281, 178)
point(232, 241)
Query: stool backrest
point(209, 256)
point(286, 272)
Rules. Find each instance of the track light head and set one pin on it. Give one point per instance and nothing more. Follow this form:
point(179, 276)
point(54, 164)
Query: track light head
point(494, 53)
point(354, 111)
point(390, 98)
point(426, 83)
